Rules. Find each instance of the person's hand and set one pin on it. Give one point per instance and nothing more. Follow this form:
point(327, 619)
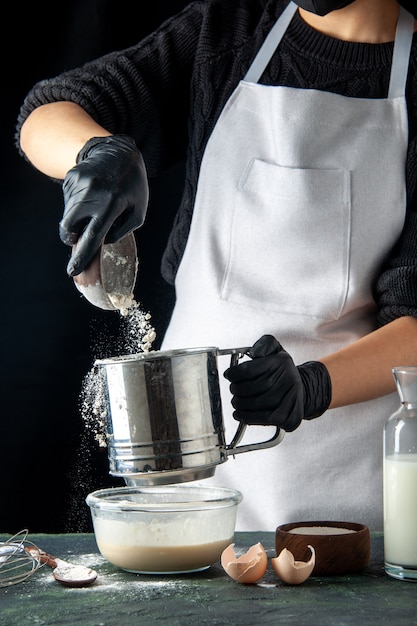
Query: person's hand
point(271, 390)
point(106, 197)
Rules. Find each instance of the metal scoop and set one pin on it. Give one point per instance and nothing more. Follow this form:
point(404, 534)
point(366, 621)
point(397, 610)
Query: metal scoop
point(109, 280)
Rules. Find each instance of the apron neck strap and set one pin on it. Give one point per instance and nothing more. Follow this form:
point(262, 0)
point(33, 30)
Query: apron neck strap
point(400, 59)
point(401, 54)
point(270, 44)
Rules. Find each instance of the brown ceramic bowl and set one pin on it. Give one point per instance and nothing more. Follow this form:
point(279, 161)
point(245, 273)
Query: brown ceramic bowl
point(341, 547)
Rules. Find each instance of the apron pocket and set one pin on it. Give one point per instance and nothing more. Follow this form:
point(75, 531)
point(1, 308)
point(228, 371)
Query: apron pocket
point(290, 240)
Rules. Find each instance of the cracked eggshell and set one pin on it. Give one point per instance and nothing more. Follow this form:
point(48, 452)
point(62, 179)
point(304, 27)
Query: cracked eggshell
point(247, 568)
point(291, 571)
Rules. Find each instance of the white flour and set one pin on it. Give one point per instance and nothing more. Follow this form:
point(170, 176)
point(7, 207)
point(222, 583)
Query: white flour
point(73, 573)
point(136, 335)
point(139, 334)
point(93, 404)
point(320, 530)
point(123, 303)
point(112, 579)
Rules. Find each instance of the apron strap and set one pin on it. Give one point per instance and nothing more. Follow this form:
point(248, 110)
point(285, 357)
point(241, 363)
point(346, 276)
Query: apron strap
point(270, 44)
point(400, 59)
point(401, 54)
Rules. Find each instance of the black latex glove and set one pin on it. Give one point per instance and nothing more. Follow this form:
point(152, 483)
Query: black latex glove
point(106, 196)
point(271, 390)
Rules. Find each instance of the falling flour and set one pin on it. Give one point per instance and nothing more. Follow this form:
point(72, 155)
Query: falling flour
point(136, 335)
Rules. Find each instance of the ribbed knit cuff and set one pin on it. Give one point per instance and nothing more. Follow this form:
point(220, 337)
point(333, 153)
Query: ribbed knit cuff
point(121, 141)
point(317, 388)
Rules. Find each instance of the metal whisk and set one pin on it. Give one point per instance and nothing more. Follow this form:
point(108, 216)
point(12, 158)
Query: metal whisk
point(16, 562)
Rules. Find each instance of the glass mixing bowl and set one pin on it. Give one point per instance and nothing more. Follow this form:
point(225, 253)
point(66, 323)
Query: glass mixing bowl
point(164, 529)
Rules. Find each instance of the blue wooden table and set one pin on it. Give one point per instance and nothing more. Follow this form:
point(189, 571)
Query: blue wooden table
point(209, 597)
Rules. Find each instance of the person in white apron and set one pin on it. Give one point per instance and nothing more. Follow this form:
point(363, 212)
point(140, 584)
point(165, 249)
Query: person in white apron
point(291, 223)
point(287, 242)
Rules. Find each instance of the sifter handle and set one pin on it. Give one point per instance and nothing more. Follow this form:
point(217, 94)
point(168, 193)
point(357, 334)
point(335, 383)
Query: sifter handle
point(233, 447)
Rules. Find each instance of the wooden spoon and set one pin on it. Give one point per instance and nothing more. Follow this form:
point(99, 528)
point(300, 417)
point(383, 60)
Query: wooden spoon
point(66, 573)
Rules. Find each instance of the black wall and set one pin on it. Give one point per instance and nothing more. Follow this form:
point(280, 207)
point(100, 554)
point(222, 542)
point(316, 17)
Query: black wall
point(49, 334)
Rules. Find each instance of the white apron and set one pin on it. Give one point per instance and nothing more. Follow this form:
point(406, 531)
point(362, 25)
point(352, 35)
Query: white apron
point(300, 198)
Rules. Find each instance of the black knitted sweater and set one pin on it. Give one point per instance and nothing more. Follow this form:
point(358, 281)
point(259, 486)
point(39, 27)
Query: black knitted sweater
point(168, 91)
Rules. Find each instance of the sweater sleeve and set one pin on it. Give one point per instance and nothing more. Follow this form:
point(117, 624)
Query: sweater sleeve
point(396, 287)
point(142, 91)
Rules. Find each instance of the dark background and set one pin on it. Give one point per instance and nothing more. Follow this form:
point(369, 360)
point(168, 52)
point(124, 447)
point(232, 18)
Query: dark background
point(49, 334)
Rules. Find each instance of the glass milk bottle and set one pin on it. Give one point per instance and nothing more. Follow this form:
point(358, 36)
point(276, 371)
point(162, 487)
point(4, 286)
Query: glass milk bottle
point(400, 480)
